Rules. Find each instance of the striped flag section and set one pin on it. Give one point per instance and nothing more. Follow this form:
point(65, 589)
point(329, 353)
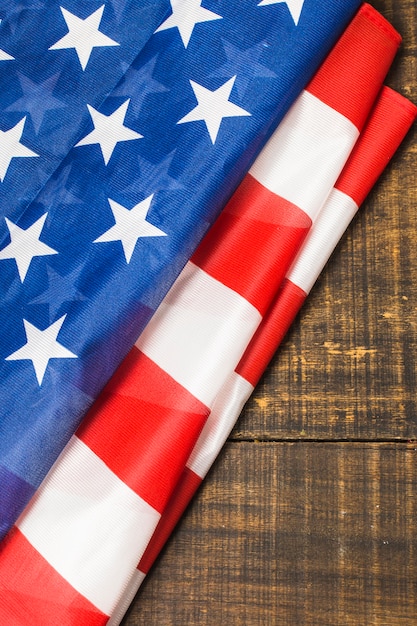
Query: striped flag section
point(391, 119)
point(387, 126)
point(117, 475)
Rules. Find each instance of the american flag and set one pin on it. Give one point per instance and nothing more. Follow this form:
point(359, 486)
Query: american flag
point(389, 122)
point(119, 148)
point(119, 430)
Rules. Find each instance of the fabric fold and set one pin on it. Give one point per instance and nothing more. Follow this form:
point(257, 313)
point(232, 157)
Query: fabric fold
point(191, 315)
point(389, 122)
point(89, 260)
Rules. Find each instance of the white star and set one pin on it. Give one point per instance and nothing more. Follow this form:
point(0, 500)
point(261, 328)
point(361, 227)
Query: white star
point(213, 106)
point(10, 147)
point(185, 15)
point(83, 35)
point(25, 245)
point(131, 225)
point(5, 57)
point(41, 346)
point(294, 6)
point(109, 130)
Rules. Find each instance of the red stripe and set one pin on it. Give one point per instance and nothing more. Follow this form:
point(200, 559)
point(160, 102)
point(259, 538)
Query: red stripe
point(390, 120)
point(32, 593)
point(184, 491)
point(253, 242)
point(151, 418)
point(271, 332)
point(352, 92)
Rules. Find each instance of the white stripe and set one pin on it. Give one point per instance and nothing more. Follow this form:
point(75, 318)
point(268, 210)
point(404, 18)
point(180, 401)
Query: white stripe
point(89, 525)
point(304, 157)
point(226, 409)
point(199, 333)
point(127, 598)
point(325, 234)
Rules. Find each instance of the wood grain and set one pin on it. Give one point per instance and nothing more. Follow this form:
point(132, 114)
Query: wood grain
point(309, 515)
point(302, 533)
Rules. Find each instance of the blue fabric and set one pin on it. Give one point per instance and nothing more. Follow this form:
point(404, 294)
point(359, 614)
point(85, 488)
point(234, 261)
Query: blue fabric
point(50, 88)
point(92, 294)
point(16, 490)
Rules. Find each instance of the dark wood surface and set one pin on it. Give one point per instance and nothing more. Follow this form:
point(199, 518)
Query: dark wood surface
point(309, 516)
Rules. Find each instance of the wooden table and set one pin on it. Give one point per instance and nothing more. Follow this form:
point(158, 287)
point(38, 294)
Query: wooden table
point(309, 517)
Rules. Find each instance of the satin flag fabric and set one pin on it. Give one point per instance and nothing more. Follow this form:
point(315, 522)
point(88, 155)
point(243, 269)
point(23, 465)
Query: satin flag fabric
point(390, 120)
point(86, 262)
point(117, 474)
point(54, 59)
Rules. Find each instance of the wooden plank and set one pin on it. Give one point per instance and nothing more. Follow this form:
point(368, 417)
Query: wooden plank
point(347, 369)
point(288, 533)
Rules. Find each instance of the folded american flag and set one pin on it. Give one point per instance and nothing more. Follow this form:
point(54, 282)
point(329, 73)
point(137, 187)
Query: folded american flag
point(389, 122)
point(137, 429)
point(87, 261)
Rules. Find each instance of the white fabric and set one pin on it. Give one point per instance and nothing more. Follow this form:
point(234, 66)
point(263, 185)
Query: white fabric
point(228, 405)
point(331, 223)
point(89, 525)
point(199, 332)
point(126, 600)
point(304, 157)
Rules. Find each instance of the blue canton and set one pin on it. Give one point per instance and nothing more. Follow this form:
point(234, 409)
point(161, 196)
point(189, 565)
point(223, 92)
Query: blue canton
point(48, 84)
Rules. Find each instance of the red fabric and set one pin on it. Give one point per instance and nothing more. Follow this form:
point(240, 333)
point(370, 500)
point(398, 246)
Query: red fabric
point(353, 91)
point(155, 420)
point(367, 162)
point(271, 332)
point(30, 586)
point(184, 491)
point(389, 123)
point(252, 243)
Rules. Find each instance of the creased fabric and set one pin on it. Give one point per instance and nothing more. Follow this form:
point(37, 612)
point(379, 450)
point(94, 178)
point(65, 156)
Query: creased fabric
point(87, 262)
point(144, 427)
point(388, 124)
